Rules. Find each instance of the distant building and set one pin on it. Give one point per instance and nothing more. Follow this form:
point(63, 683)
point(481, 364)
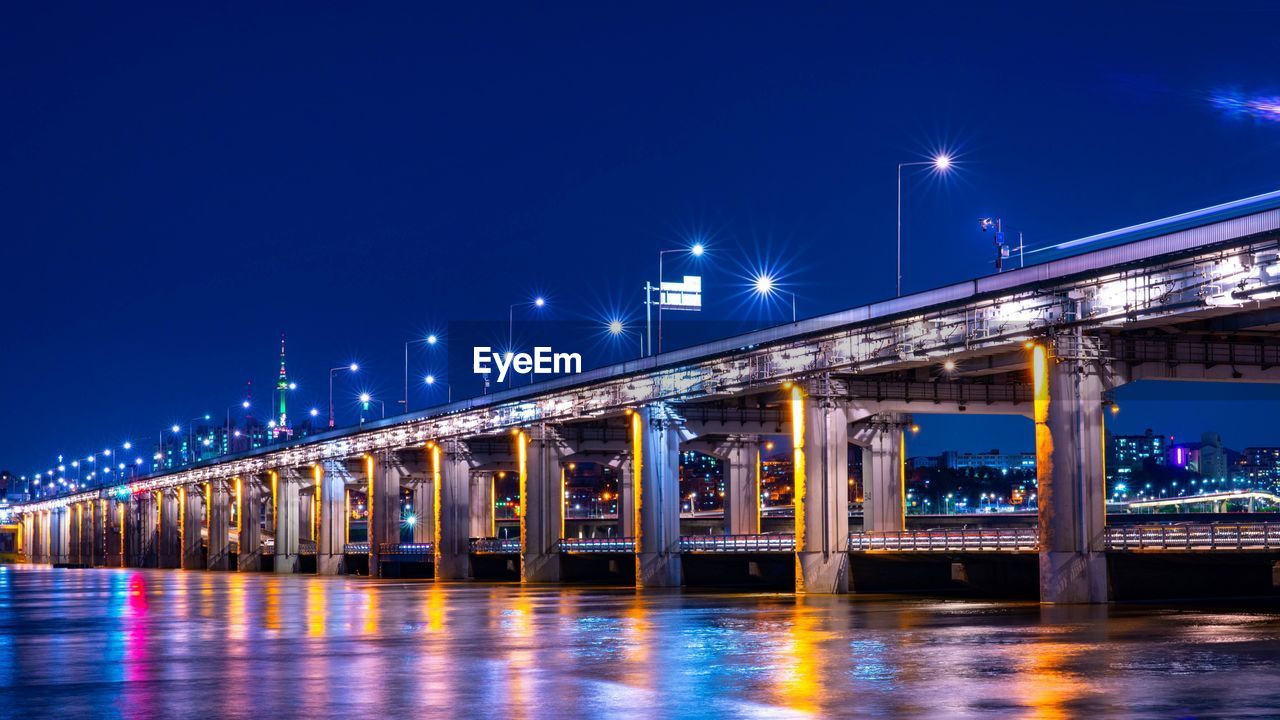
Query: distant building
point(994, 459)
point(1214, 462)
point(1261, 465)
point(1132, 454)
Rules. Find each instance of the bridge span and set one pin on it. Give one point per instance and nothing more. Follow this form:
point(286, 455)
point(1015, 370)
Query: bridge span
point(1190, 297)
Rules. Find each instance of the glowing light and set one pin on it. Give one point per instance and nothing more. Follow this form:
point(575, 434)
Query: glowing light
point(364, 397)
point(615, 327)
point(354, 367)
point(292, 386)
point(432, 339)
point(128, 445)
point(697, 249)
point(1114, 408)
point(176, 429)
point(314, 412)
point(763, 283)
point(539, 301)
point(430, 379)
point(410, 520)
point(942, 162)
point(245, 404)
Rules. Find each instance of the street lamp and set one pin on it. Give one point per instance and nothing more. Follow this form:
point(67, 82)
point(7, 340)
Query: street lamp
point(696, 250)
point(431, 380)
point(365, 399)
point(537, 302)
point(191, 441)
point(940, 163)
point(428, 340)
point(617, 329)
point(765, 285)
point(353, 367)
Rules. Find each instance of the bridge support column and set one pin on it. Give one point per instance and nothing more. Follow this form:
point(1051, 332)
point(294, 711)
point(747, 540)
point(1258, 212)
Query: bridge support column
point(481, 505)
point(384, 477)
point(331, 484)
point(192, 510)
point(65, 522)
point(1070, 478)
point(169, 547)
point(249, 555)
point(219, 525)
point(451, 465)
point(820, 441)
point(541, 504)
point(741, 457)
point(148, 529)
point(27, 538)
point(655, 437)
point(424, 509)
point(626, 496)
point(288, 521)
point(75, 516)
point(98, 555)
point(115, 526)
point(884, 495)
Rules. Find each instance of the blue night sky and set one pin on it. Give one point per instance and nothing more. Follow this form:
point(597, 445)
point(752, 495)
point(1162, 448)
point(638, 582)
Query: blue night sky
point(180, 183)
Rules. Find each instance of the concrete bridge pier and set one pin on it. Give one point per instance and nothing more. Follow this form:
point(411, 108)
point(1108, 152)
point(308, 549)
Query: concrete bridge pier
point(288, 520)
point(820, 440)
point(481, 505)
point(881, 439)
point(115, 524)
point(1070, 477)
point(385, 475)
point(98, 554)
point(741, 457)
point(28, 523)
point(451, 464)
point(655, 436)
point(170, 530)
point(191, 501)
point(424, 508)
point(147, 520)
point(219, 520)
point(62, 538)
point(626, 494)
point(331, 484)
point(74, 515)
point(249, 555)
point(541, 503)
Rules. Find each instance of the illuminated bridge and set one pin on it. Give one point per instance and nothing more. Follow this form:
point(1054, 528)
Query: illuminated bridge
point(1192, 297)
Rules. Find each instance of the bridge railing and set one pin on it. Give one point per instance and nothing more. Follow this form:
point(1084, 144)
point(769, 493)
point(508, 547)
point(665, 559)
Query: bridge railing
point(417, 549)
point(1251, 536)
point(495, 546)
point(737, 543)
point(948, 540)
point(306, 547)
point(598, 545)
point(356, 548)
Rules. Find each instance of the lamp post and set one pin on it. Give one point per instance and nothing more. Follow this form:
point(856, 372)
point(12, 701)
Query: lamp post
point(511, 324)
point(428, 340)
point(765, 285)
point(365, 399)
point(941, 163)
point(431, 380)
point(695, 250)
point(353, 367)
point(191, 437)
point(617, 329)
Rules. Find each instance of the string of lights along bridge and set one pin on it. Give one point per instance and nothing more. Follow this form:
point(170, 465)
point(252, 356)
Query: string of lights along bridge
point(480, 487)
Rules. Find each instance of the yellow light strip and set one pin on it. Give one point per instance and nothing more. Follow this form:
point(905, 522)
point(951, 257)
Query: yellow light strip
point(798, 479)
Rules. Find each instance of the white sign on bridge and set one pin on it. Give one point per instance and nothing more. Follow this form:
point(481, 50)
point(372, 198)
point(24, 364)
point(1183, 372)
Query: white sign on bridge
point(686, 295)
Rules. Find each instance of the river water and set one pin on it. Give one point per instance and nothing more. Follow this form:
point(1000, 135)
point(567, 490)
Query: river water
point(165, 643)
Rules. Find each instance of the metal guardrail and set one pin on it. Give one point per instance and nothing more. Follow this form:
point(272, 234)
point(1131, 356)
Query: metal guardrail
point(495, 546)
point(1253, 536)
point(598, 545)
point(737, 543)
point(306, 547)
point(947, 540)
point(356, 548)
point(411, 549)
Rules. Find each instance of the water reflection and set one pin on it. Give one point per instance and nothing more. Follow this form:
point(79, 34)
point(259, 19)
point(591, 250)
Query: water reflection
point(194, 644)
